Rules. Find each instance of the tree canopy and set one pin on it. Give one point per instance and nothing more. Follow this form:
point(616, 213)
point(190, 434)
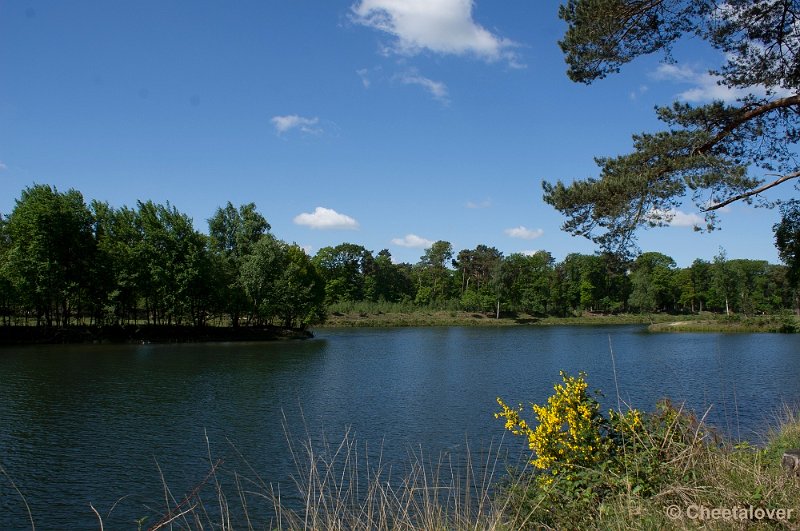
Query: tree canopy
point(718, 152)
point(65, 263)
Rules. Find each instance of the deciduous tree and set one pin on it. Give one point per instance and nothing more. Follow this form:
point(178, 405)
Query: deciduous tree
point(787, 240)
point(50, 247)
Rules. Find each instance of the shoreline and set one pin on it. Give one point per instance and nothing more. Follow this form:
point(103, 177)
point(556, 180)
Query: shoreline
point(655, 322)
point(143, 334)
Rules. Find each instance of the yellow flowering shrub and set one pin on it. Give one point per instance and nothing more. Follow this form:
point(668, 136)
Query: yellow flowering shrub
point(570, 433)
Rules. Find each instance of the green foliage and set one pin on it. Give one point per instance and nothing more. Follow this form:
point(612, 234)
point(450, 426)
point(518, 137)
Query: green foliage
point(49, 249)
point(653, 282)
point(526, 282)
point(704, 151)
point(233, 233)
point(62, 261)
point(301, 290)
point(433, 276)
point(172, 265)
point(622, 471)
point(787, 240)
point(345, 269)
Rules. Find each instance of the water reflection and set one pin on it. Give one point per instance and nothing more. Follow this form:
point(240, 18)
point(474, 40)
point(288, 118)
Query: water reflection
point(95, 423)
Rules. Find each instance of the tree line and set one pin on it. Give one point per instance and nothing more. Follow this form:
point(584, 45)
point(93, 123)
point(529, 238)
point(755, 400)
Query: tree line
point(484, 280)
point(63, 261)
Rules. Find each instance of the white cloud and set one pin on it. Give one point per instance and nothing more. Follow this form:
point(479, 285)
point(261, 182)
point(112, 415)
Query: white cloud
point(437, 89)
point(486, 203)
point(531, 253)
point(634, 94)
point(684, 219)
point(326, 218)
point(286, 123)
point(363, 74)
point(676, 218)
point(706, 86)
point(440, 26)
point(3, 166)
point(524, 233)
point(412, 240)
point(674, 72)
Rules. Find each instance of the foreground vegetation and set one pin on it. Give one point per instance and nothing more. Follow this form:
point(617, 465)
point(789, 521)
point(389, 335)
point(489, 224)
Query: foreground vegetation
point(625, 469)
point(585, 469)
point(630, 469)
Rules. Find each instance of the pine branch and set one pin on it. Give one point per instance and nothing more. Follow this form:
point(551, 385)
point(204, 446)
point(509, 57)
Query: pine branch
point(780, 103)
point(756, 191)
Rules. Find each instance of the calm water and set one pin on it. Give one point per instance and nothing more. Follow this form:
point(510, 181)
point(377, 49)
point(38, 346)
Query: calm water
point(95, 423)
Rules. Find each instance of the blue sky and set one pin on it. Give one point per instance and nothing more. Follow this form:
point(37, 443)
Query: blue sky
point(386, 123)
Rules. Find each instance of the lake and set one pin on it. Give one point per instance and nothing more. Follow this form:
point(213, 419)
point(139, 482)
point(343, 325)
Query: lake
point(102, 424)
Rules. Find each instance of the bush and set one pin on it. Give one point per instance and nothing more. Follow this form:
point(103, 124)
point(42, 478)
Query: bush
point(579, 455)
point(596, 471)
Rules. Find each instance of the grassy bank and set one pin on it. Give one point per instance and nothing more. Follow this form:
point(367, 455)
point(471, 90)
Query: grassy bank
point(387, 315)
point(382, 314)
point(767, 323)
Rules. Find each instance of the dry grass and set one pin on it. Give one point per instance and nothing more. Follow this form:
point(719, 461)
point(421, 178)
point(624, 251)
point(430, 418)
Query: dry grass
point(348, 486)
point(341, 486)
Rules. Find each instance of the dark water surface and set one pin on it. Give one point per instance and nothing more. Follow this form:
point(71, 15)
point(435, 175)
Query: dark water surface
point(95, 423)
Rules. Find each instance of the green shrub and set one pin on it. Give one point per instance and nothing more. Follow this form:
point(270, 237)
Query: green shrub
point(591, 470)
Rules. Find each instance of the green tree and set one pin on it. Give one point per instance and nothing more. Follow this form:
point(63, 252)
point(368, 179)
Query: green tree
point(116, 270)
point(434, 277)
point(653, 282)
point(723, 283)
point(480, 271)
point(345, 269)
point(526, 282)
point(582, 282)
point(693, 285)
point(232, 235)
point(787, 240)
point(50, 247)
point(299, 289)
point(705, 150)
point(261, 270)
point(8, 295)
point(172, 265)
point(388, 281)
point(282, 285)
point(752, 285)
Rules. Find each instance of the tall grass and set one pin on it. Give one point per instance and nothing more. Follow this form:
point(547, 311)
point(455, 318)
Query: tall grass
point(343, 489)
point(347, 485)
point(675, 460)
point(679, 462)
